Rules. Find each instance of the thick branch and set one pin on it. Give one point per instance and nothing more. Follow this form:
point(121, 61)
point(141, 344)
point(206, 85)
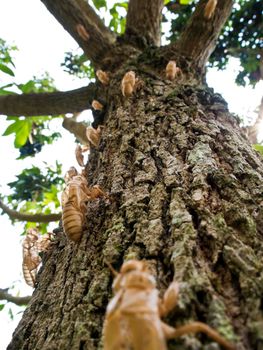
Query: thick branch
point(16, 300)
point(77, 129)
point(144, 20)
point(16, 215)
point(174, 6)
point(237, 51)
point(198, 40)
point(97, 39)
point(51, 103)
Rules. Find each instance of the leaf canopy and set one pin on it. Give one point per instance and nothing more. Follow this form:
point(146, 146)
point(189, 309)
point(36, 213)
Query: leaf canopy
point(241, 37)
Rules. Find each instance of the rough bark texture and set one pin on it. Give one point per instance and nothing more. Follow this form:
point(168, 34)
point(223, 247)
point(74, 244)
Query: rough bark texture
point(70, 13)
point(144, 22)
point(198, 40)
point(186, 195)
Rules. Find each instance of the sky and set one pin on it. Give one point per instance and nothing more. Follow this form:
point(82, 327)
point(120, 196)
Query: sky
point(42, 43)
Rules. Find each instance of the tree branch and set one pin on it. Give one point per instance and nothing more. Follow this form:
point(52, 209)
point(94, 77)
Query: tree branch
point(237, 51)
point(16, 215)
point(16, 300)
point(174, 6)
point(71, 14)
point(252, 131)
point(49, 103)
point(144, 20)
point(77, 129)
point(198, 40)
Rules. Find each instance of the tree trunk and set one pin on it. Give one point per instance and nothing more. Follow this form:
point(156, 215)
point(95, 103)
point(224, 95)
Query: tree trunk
point(186, 195)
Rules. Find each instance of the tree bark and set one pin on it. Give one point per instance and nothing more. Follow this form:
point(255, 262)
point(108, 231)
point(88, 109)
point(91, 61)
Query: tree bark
point(185, 195)
point(198, 40)
point(144, 21)
point(97, 40)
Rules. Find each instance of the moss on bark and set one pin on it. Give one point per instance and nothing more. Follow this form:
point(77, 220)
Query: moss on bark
point(186, 195)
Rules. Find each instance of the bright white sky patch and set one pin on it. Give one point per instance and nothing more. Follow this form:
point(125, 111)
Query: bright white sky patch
point(241, 100)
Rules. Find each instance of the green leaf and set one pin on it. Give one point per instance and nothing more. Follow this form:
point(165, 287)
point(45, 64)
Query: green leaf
point(10, 117)
point(43, 84)
point(99, 3)
point(22, 134)
point(5, 53)
point(3, 90)
point(27, 87)
point(122, 4)
point(258, 148)
point(52, 197)
point(6, 92)
point(13, 128)
point(2, 306)
point(21, 129)
point(32, 183)
point(117, 22)
point(6, 69)
point(185, 2)
point(10, 313)
point(7, 85)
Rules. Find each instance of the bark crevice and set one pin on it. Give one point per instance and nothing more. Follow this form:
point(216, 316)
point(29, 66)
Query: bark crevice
point(184, 192)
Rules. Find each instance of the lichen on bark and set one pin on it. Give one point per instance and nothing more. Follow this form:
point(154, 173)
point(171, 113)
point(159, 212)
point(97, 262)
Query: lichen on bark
point(186, 195)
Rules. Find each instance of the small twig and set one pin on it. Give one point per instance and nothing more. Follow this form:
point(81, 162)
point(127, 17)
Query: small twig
point(16, 215)
point(4, 295)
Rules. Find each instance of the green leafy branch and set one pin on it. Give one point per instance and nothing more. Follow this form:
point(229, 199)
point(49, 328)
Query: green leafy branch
point(6, 60)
